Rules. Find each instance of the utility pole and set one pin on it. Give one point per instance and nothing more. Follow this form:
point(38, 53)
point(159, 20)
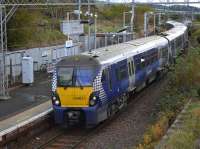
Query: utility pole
point(159, 21)
point(124, 19)
point(95, 31)
point(133, 14)
point(154, 22)
point(145, 24)
point(79, 9)
point(89, 25)
point(3, 49)
point(168, 9)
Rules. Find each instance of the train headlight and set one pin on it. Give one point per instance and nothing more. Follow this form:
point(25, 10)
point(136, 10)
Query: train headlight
point(93, 100)
point(54, 98)
point(57, 102)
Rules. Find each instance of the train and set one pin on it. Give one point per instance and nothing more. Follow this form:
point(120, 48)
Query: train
point(91, 87)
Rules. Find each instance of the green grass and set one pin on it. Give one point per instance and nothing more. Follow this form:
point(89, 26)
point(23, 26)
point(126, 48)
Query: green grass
point(181, 140)
point(40, 27)
point(185, 137)
point(184, 83)
point(193, 106)
point(110, 18)
point(32, 28)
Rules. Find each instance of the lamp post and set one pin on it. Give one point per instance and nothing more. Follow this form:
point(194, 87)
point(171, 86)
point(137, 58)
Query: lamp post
point(95, 31)
point(79, 9)
point(89, 26)
point(90, 22)
point(133, 14)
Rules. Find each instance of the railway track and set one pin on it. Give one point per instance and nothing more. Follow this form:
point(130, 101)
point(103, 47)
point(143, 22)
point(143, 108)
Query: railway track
point(65, 139)
point(73, 137)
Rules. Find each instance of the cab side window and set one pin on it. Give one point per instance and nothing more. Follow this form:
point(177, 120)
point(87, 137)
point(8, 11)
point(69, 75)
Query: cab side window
point(106, 78)
point(103, 78)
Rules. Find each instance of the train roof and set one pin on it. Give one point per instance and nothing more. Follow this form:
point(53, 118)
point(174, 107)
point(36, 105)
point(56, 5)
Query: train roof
point(115, 53)
point(112, 54)
point(177, 30)
point(79, 61)
point(118, 52)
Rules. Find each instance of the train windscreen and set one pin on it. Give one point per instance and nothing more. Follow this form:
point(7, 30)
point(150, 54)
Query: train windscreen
point(78, 77)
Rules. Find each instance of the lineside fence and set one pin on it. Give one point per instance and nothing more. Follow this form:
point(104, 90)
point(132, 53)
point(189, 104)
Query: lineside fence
point(43, 58)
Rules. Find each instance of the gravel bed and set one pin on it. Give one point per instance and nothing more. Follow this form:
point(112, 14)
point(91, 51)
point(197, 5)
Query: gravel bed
point(124, 131)
point(128, 128)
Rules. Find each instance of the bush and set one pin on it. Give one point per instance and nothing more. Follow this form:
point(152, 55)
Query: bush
point(198, 91)
point(187, 74)
point(33, 28)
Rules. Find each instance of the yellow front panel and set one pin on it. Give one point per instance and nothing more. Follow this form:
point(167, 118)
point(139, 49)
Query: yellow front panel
point(74, 96)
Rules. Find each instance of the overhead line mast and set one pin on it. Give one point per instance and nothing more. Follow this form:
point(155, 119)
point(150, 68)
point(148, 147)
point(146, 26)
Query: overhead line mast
point(133, 14)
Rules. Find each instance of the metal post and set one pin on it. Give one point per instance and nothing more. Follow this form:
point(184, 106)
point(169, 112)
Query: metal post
point(145, 24)
point(168, 10)
point(89, 26)
point(133, 14)
point(68, 18)
point(154, 22)
point(3, 49)
point(95, 31)
point(79, 9)
point(106, 40)
point(118, 38)
point(124, 17)
point(159, 21)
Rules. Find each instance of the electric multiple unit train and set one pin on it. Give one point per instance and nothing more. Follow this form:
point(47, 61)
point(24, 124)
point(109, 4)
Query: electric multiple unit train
point(92, 86)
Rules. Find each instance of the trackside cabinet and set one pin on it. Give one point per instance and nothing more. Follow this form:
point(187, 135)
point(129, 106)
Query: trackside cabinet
point(27, 70)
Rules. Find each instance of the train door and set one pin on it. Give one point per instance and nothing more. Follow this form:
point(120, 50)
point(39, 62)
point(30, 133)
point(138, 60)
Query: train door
point(164, 56)
point(131, 73)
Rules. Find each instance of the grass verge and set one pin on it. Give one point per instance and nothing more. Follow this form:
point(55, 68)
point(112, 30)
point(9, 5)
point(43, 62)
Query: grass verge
point(184, 84)
point(186, 137)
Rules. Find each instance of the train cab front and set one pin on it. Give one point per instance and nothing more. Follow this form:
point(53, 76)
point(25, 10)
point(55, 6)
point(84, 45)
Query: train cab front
point(74, 100)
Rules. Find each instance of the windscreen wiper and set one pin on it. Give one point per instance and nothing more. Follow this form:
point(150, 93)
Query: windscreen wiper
point(79, 82)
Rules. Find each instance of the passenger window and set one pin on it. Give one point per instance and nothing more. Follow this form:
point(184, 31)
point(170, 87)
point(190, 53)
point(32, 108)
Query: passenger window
point(121, 73)
point(138, 66)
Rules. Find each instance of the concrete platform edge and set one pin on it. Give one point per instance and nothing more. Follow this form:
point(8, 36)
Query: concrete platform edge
point(22, 124)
